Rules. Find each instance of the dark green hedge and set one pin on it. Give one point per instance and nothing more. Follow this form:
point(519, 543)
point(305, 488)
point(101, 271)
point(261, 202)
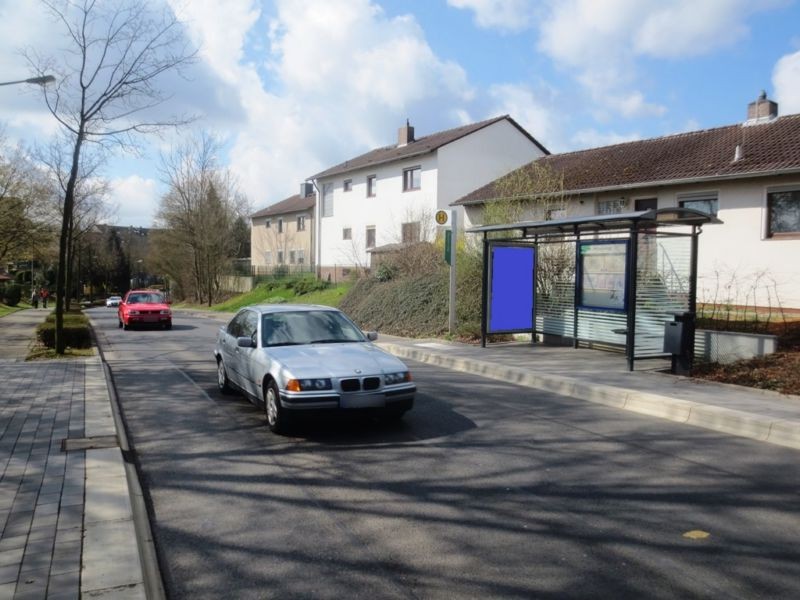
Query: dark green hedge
point(76, 331)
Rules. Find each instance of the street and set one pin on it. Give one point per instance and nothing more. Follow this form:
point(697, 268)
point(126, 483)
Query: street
point(484, 490)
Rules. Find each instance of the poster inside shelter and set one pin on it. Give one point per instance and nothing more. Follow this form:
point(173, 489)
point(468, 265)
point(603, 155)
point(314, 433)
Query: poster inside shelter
point(603, 268)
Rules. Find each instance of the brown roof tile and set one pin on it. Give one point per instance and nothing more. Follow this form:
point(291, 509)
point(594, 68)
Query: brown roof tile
point(708, 154)
point(423, 145)
point(291, 205)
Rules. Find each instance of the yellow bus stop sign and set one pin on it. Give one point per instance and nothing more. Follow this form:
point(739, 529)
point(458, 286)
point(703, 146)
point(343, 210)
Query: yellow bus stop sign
point(442, 217)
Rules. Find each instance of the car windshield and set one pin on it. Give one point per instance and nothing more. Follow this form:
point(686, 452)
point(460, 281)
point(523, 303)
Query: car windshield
point(308, 327)
point(145, 298)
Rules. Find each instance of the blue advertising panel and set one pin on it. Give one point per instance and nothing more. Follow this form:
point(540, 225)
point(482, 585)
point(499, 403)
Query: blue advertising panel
point(511, 289)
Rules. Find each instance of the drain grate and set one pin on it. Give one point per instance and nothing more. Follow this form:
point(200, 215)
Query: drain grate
point(91, 443)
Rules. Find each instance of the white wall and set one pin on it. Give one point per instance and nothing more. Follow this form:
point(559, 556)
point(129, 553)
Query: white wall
point(386, 211)
point(448, 174)
point(475, 160)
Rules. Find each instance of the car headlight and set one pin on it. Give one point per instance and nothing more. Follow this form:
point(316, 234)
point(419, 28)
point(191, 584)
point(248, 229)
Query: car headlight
point(134, 312)
point(165, 312)
point(393, 378)
point(308, 385)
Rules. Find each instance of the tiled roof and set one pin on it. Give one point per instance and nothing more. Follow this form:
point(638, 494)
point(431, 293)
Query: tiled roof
point(423, 145)
point(699, 155)
point(292, 204)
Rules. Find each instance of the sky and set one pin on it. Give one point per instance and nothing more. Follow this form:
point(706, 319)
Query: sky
point(292, 87)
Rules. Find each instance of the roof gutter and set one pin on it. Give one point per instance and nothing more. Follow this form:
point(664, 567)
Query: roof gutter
point(632, 186)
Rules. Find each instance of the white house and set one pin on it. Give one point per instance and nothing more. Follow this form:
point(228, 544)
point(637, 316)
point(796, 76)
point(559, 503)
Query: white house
point(389, 195)
point(747, 174)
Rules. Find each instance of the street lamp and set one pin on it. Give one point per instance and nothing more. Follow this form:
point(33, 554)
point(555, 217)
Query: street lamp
point(43, 80)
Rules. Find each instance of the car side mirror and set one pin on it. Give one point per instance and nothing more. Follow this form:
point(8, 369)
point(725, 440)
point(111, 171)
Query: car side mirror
point(245, 342)
point(372, 336)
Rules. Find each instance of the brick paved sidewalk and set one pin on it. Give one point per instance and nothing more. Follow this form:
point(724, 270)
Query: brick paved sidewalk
point(42, 486)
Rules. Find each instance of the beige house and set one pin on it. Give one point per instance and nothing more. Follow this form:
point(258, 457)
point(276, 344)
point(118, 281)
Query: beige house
point(747, 174)
point(282, 235)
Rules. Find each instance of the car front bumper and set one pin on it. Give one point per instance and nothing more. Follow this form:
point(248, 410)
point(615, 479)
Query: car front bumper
point(399, 396)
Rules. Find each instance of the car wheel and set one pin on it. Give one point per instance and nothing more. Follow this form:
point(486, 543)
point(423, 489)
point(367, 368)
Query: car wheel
point(222, 378)
point(277, 420)
point(168, 325)
point(125, 326)
point(119, 323)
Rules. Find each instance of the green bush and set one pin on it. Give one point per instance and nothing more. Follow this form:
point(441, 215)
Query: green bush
point(275, 300)
point(306, 285)
point(409, 306)
point(76, 334)
point(13, 294)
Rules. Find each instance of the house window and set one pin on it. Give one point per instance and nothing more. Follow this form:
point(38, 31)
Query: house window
point(280, 225)
point(327, 199)
point(292, 257)
point(371, 237)
point(645, 204)
point(410, 232)
point(706, 203)
point(268, 223)
point(372, 181)
point(280, 257)
point(347, 233)
point(412, 179)
point(301, 256)
point(301, 223)
point(268, 257)
point(783, 213)
point(347, 186)
point(612, 207)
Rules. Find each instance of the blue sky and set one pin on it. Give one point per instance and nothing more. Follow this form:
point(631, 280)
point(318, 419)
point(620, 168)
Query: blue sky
point(295, 86)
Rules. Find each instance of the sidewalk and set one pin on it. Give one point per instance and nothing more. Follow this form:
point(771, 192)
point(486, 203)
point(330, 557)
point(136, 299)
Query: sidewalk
point(66, 526)
point(603, 378)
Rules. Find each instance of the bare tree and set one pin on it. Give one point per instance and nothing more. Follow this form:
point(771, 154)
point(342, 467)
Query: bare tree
point(107, 86)
point(198, 215)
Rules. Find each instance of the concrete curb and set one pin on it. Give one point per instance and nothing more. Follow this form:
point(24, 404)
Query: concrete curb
point(779, 432)
point(150, 583)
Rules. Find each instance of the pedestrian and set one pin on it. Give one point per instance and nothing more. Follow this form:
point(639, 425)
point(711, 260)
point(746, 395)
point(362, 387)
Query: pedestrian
point(44, 294)
point(34, 298)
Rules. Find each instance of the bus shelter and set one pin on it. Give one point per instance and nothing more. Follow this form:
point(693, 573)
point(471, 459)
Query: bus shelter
point(620, 282)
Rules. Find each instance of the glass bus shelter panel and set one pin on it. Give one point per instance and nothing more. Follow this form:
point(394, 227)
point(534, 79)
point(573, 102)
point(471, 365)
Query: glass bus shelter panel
point(662, 289)
point(555, 289)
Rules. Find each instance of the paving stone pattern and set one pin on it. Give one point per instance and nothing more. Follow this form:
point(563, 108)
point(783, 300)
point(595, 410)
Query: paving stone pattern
point(41, 487)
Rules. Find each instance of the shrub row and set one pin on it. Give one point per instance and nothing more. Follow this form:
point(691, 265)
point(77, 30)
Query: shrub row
point(76, 331)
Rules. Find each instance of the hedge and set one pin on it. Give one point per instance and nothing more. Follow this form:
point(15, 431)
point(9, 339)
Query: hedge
point(76, 331)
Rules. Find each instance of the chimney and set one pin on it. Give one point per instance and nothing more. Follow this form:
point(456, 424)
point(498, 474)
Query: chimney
point(306, 189)
point(405, 135)
point(762, 109)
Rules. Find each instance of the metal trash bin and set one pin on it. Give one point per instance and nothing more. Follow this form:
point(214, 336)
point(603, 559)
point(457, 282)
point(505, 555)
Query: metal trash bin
point(679, 341)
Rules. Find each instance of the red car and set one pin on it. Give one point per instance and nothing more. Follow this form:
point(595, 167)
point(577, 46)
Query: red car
point(144, 307)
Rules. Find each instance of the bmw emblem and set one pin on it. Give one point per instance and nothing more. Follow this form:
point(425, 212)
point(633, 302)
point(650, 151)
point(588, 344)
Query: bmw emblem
point(358, 371)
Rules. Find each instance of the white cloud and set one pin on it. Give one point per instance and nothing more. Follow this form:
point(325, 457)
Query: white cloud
point(786, 80)
point(601, 40)
point(330, 93)
point(135, 199)
point(506, 15)
point(536, 112)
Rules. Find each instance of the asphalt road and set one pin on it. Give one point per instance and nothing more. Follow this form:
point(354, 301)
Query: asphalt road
point(485, 490)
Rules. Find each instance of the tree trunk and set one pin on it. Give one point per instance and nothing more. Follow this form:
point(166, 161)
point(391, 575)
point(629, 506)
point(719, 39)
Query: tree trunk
point(66, 223)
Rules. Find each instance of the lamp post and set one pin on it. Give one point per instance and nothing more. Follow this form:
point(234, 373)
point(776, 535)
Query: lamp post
point(43, 80)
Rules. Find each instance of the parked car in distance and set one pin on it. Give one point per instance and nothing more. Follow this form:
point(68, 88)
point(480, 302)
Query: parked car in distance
point(113, 301)
point(292, 359)
point(144, 307)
